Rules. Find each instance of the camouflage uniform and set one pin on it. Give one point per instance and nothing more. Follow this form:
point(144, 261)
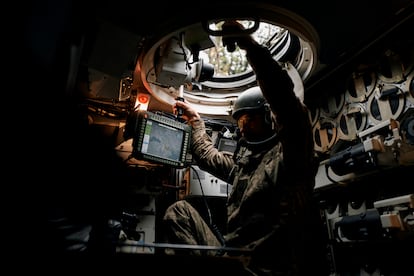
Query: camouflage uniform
point(271, 207)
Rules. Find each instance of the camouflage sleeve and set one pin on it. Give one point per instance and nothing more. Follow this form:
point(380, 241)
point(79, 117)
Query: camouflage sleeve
point(206, 155)
point(294, 126)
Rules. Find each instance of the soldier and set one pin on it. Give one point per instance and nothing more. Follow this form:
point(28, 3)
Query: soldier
point(271, 209)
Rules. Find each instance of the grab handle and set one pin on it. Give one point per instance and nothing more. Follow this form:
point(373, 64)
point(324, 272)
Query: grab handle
point(248, 31)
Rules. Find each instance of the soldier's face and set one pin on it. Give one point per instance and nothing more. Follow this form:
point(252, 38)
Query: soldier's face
point(252, 126)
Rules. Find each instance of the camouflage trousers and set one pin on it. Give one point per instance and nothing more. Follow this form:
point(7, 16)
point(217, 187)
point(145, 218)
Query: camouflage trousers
point(183, 225)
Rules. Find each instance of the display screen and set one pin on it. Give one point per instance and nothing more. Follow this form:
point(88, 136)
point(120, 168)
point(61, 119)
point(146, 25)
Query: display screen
point(161, 139)
point(227, 145)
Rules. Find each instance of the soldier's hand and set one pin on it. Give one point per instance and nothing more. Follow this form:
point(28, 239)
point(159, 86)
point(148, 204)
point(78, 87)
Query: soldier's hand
point(234, 34)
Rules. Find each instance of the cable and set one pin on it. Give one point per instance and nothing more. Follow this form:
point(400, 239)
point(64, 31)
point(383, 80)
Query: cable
point(212, 225)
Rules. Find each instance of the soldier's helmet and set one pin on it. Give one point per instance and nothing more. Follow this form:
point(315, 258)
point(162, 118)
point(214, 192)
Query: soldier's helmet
point(249, 101)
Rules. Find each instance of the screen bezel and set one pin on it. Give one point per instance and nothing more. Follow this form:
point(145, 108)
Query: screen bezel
point(147, 120)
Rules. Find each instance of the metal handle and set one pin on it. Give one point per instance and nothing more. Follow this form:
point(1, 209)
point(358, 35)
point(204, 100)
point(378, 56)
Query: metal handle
point(248, 31)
